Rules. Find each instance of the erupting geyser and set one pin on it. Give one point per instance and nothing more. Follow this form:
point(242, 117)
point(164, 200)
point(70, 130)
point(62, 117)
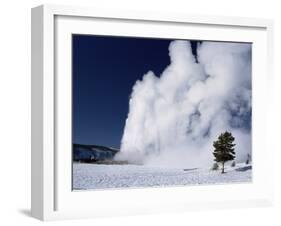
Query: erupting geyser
point(173, 119)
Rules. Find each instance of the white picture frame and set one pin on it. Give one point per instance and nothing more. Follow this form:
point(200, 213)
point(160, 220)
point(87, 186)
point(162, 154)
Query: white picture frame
point(52, 197)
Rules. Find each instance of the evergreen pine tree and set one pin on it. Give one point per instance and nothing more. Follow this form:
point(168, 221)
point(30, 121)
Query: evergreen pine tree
point(224, 148)
point(248, 159)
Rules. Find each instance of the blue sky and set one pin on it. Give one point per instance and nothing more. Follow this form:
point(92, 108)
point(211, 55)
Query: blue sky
point(104, 72)
point(105, 69)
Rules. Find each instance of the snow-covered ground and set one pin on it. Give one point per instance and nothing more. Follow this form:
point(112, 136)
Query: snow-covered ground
point(95, 176)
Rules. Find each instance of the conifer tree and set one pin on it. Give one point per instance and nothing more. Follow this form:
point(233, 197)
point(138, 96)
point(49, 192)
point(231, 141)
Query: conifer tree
point(248, 159)
point(224, 148)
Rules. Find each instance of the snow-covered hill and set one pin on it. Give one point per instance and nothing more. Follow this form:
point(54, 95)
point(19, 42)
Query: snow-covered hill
point(92, 153)
point(94, 176)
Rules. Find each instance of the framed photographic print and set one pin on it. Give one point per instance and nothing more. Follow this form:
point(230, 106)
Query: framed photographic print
point(138, 113)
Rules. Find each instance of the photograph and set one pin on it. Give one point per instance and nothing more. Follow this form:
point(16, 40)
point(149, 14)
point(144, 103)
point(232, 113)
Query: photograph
point(156, 112)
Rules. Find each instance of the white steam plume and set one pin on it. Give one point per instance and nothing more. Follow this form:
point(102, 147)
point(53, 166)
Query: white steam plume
point(174, 119)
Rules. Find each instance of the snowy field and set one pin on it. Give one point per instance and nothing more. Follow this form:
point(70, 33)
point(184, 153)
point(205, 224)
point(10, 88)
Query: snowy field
point(95, 176)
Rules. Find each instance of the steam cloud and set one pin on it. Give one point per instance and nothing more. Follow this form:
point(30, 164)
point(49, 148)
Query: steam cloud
point(173, 119)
